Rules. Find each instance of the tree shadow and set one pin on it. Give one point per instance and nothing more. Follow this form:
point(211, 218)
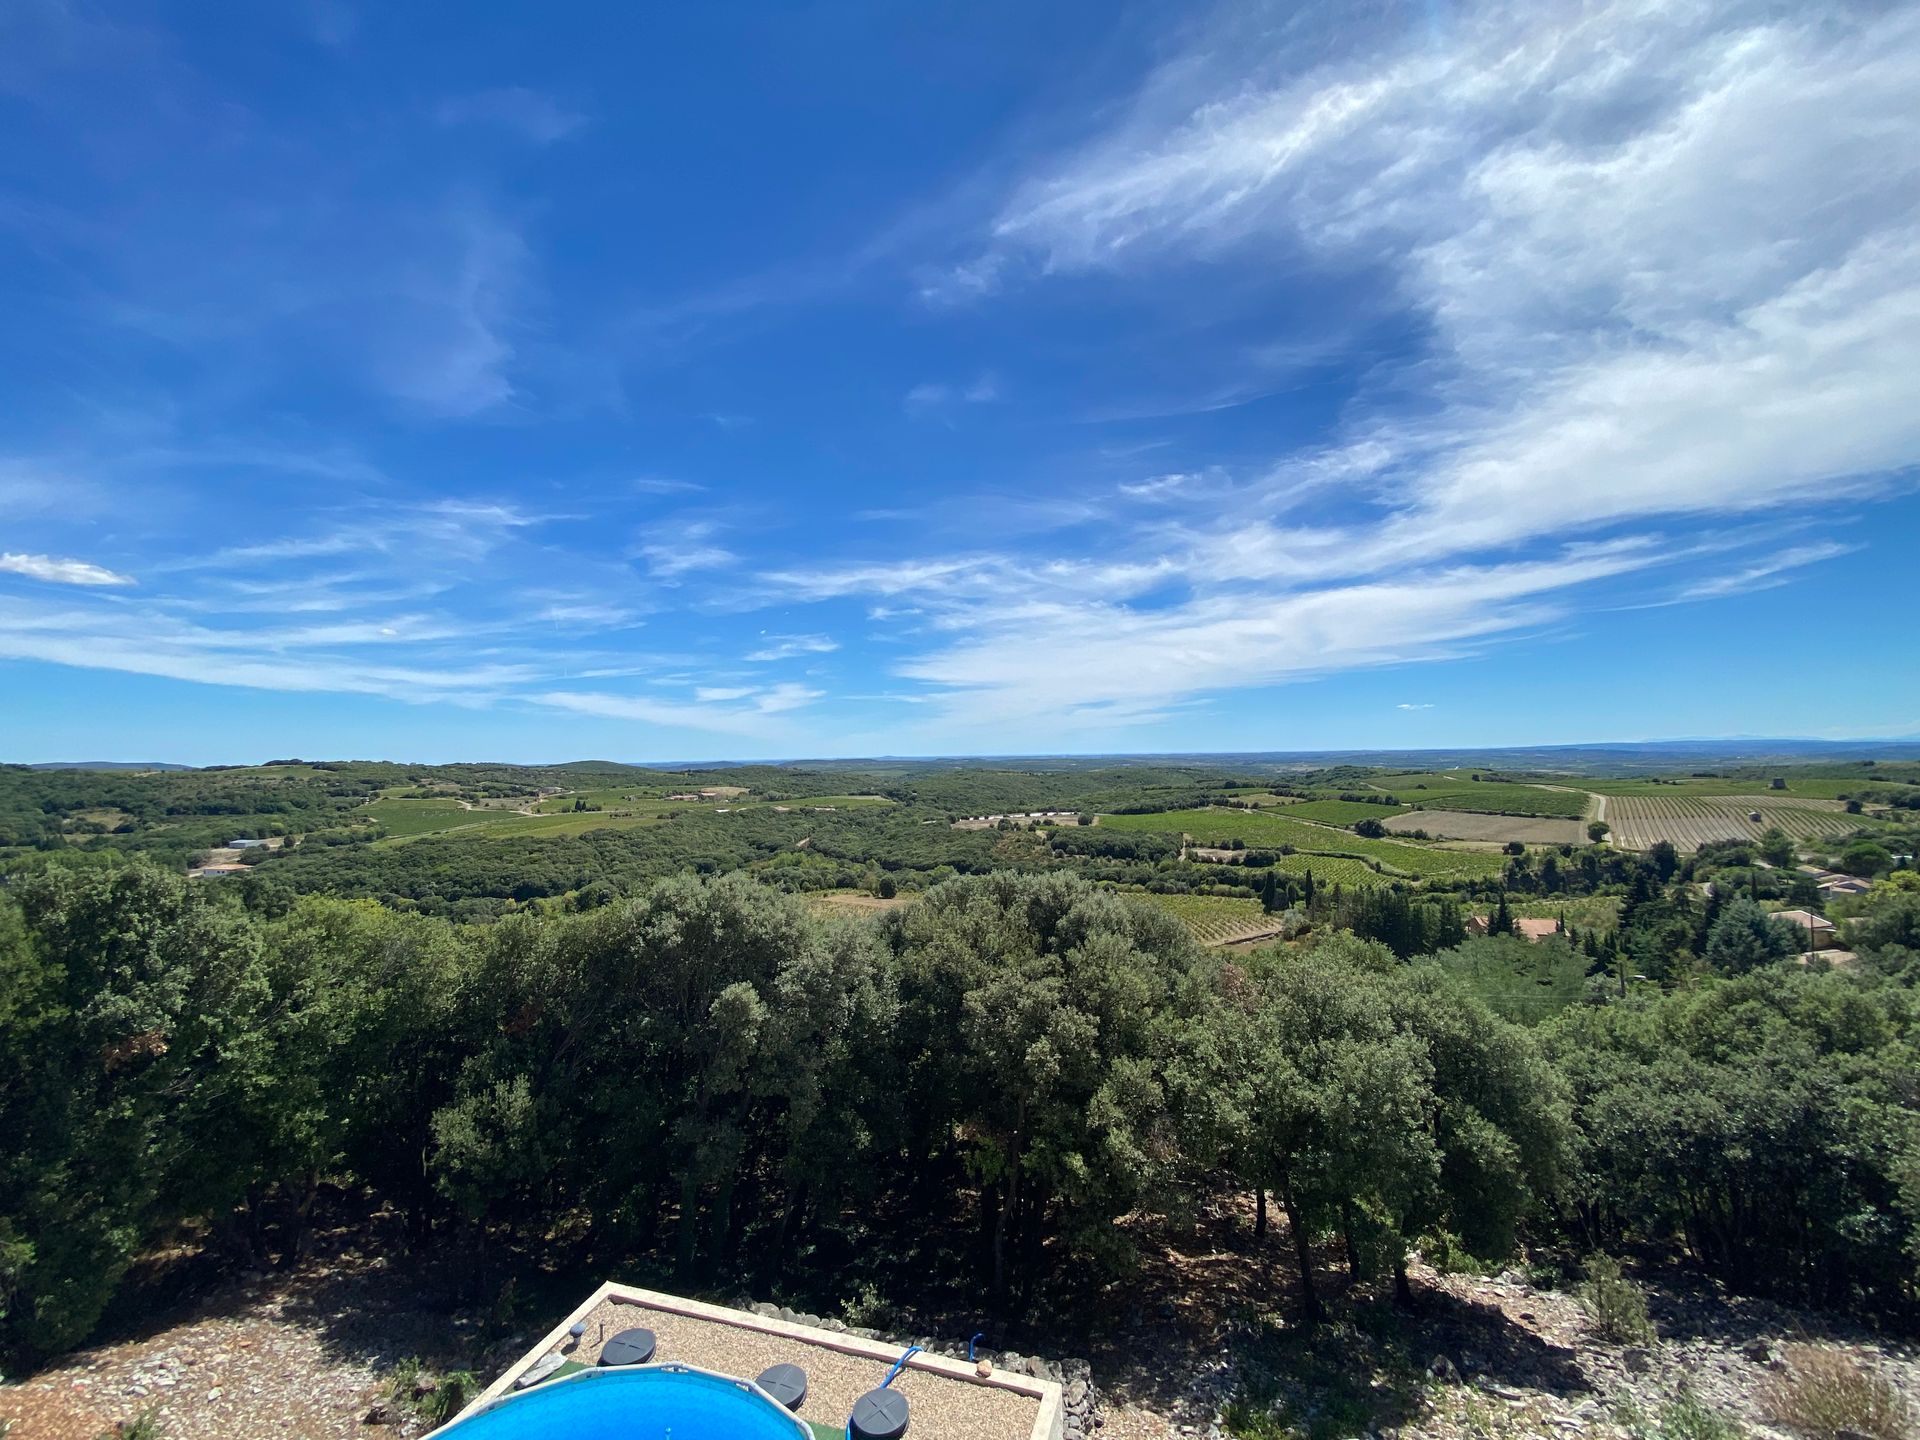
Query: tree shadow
point(1686, 1307)
point(1481, 1340)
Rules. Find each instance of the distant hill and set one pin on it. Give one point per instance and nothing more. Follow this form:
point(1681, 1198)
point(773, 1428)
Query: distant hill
point(1602, 759)
point(108, 765)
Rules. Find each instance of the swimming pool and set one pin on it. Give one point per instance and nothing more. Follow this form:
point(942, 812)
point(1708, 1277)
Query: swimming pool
point(647, 1402)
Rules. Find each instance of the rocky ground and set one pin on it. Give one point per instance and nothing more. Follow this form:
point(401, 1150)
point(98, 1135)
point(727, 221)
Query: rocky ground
point(298, 1355)
point(1200, 1346)
point(1489, 1358)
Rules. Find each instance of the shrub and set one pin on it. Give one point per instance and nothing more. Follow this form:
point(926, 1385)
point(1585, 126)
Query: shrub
point(447, 1399)
point(1616, 1304)
point(1544, 1274)
point(434, 1400)
point(868, 1309)
point(1824, 1391)
point(144, 1426)
point(1688, 1419)
point(402, 1378)
point(1245, 1420)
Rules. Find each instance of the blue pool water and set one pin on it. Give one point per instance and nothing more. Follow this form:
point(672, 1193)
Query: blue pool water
point(640, 1404)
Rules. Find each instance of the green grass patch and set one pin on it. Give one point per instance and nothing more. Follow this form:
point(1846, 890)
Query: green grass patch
point(1582, 912)
point(1523, 980)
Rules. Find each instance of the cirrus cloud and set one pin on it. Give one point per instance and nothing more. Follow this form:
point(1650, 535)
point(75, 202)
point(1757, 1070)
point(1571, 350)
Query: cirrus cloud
point(61, 572)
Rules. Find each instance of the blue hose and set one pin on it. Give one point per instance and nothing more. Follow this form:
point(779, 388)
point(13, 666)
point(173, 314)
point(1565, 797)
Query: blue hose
point(899, 1365)
point(971, 1343)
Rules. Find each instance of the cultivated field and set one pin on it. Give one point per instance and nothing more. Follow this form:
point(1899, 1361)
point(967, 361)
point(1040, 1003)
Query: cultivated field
point(1216, 919)
point(1690, 821)
point(1473, 825)
point(1799, 787)
point(1458, 790)
point(1328, 870)
point(853, 902)
point(406, 820)
point(822, 802)
point(1266, 829)
point(1341, 812)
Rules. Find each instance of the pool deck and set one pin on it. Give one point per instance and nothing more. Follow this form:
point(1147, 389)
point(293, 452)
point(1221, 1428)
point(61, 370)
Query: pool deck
point(950, 1401)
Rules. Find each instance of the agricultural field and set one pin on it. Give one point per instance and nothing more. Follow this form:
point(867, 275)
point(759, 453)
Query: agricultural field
point(1216, 919)
point(1824, 786)
point(821, 802)
point(1270, 830)
point(1690, 821)
point(1328, 870)
point(1474, 825)
point(1450, 791)
point(619, 798)
point(853, 902)
point(406, 820)
point(1341, 812)
point(587, 821)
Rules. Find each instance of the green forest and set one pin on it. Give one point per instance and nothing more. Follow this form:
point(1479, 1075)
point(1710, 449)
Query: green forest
point(645, 1046)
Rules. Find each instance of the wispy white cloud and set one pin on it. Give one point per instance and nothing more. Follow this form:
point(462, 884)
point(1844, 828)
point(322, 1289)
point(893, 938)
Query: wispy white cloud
point(1161, 488)
point(741, 711)
point(275, 255)
point(61, 572)
point(528, 113)
point(788, 647)
point(306, 659)
point(589, 614)
point(1422, 705)
point(675, 549)
point(1671, 263)
point(1765, 574)
point(1017, 661)
point(426, 533)
point(938, 395)
point(1666, 260)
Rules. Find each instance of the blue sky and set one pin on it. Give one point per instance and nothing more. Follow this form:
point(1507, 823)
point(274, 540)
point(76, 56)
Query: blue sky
point(854, 379)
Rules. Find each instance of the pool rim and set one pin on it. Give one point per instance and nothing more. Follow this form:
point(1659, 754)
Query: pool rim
point(487, 1406)
point(1048, 1395)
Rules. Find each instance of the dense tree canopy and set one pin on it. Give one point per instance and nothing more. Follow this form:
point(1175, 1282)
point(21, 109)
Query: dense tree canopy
point(641, 1043)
